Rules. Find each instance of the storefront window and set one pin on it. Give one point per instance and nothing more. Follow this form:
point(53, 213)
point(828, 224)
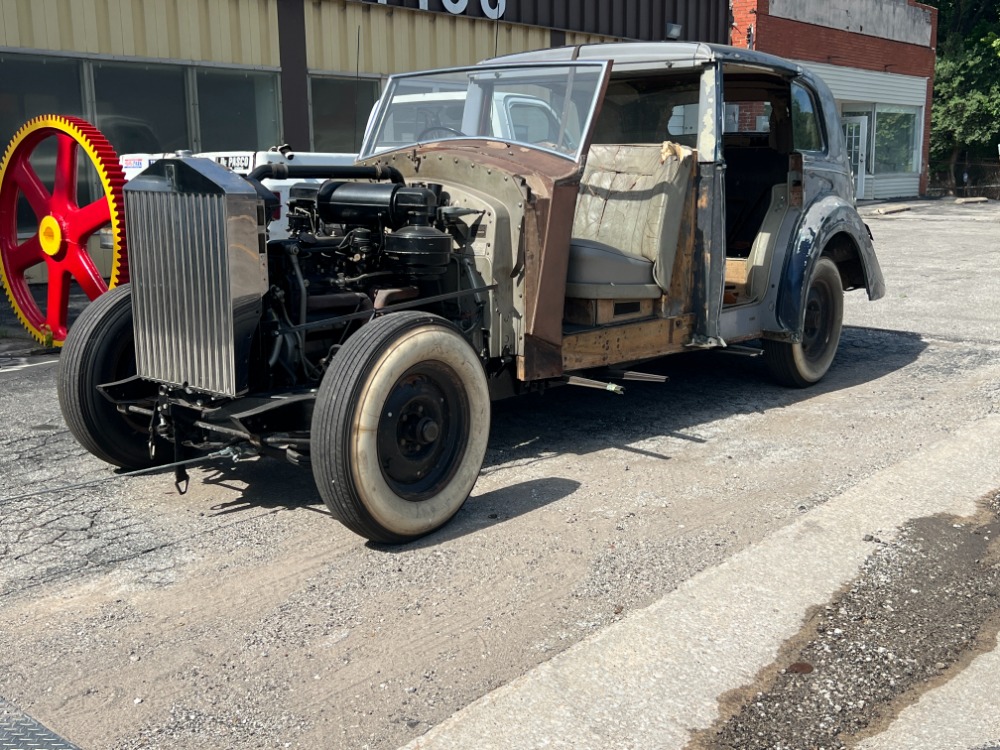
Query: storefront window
point(856, 110)
point(237, 111)
point(340, 109)
point(139, 107)
point(32, 86)
point(895, 139)
point(142, 108)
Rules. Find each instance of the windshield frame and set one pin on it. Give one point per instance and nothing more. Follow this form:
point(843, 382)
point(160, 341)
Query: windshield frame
point(377, 120)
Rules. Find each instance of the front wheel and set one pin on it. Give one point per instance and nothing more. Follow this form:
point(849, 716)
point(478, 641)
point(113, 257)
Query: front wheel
point(100, 348)
point(802, 364)
point(400, 427)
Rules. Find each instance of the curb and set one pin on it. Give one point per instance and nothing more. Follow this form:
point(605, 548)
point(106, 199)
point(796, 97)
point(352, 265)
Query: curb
point(896, 208)
point(18, 348)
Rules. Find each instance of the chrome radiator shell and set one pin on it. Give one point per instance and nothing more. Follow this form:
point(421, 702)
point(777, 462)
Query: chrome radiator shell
point(198, 274)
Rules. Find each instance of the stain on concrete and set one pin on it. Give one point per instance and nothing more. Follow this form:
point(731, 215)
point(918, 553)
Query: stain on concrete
point(925, 604)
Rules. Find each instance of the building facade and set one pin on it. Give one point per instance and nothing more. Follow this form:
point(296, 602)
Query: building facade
point(878, 59)
point(163, 75)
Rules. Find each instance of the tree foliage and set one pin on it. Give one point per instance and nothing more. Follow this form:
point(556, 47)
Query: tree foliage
point(966, 110)
point(961, 20)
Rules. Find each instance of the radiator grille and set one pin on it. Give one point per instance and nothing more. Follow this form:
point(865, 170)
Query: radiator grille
point(197, 280)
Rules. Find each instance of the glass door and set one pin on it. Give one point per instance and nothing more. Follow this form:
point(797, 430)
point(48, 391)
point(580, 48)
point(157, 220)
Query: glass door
point(856, 141)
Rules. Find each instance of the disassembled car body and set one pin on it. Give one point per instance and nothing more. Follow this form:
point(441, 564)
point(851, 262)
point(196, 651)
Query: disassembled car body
point(632, 201)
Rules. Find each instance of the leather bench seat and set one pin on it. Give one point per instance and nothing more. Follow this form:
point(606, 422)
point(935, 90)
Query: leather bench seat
point(627, 222)
point(600, 271)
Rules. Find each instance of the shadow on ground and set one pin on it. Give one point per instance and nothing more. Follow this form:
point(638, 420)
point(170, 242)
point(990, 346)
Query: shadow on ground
point(704, 387)
point(493, 508)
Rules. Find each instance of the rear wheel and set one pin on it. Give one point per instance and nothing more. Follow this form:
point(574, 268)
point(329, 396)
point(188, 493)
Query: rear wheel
point(806, 362)
point(400, 427)
point(100, 348)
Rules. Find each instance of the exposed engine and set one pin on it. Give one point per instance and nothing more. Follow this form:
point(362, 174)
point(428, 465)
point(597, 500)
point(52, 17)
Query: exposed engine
point(355, 248)
point(233, 333)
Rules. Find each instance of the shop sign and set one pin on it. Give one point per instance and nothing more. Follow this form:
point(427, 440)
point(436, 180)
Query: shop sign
point(492, 9)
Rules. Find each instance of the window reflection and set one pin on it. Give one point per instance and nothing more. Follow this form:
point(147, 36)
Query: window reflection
point(237, 110)
point(807, 134)
point(340, 109)
point(33, 86)
point(141, 108)
point(895, 139)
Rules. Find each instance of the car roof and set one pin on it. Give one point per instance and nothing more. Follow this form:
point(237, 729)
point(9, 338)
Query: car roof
point(640, 55)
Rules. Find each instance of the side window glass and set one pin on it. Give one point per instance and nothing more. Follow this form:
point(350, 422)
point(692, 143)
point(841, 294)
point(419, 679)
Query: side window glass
point(650, 109)
point(807, 134)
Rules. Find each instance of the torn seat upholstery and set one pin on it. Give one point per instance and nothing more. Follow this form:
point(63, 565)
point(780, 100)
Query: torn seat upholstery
point(628, 218)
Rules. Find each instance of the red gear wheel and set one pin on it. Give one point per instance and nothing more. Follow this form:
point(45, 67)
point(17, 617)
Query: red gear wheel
point(64, 227)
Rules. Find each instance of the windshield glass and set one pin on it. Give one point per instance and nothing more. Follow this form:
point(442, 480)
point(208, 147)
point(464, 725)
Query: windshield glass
point(546, 106)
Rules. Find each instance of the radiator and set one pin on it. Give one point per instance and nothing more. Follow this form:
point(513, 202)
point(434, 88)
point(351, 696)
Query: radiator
point(198, 274)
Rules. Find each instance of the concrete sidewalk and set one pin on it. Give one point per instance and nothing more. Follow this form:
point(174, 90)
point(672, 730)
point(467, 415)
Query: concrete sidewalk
point(657, 676)
point(888, 208)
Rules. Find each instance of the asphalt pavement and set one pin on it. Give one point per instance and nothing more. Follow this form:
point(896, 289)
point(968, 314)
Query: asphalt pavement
point(700, 667)
point(712, 563)
point(656, 678)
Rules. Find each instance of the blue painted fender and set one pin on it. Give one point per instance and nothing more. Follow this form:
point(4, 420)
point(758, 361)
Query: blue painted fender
point(820, 223)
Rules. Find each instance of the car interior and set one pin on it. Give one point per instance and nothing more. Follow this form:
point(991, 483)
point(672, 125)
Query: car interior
point(634, 186)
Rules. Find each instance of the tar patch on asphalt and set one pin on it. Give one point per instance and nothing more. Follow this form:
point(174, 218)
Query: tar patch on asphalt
point(923, 606)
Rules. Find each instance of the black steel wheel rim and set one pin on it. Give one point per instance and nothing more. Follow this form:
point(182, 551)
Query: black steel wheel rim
point(818, 325)
point(423, 430)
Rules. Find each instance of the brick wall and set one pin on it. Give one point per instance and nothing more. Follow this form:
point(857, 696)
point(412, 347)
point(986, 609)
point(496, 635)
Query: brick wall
point(745, 14)
point(803, 41)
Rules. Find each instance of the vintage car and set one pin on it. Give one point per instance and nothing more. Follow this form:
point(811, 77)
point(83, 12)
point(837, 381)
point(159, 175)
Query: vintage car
point(671, 197)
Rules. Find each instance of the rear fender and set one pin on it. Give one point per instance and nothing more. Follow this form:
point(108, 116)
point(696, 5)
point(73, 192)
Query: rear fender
point(827, 221)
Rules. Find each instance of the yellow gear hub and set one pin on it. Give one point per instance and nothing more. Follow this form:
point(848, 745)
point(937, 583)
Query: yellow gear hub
point(64, 226)
point(50, 235)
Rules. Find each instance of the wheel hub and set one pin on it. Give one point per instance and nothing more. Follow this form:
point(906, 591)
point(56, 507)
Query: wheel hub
point(428, 431)
point(816, 328)
point(50, 236)
point(420, 432)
